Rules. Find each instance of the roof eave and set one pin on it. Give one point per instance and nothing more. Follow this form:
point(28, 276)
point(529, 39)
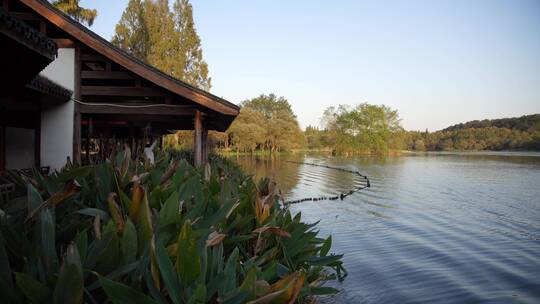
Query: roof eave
point(131, 63)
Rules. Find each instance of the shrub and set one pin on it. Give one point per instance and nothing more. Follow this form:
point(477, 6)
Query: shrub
point(126, 232)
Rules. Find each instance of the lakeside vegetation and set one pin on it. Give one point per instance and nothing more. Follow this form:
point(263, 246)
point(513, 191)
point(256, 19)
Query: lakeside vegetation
point(128, 232)
point(267, 125)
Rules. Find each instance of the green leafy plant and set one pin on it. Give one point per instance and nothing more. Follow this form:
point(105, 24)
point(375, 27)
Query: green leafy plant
point(126, 232)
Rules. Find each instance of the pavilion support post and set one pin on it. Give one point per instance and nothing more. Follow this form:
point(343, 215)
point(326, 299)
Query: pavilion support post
point(2, 148)
point(132, 138)
point(37, 142)
point(76, 110)
point(199, 145)
point(87, 143)
point(77, 136)
point(204, 144)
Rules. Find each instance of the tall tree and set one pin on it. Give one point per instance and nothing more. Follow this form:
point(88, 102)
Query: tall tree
point(165, 39)
point(195, 68)
point(132, 32)
point(73, 9)
point(162, 38)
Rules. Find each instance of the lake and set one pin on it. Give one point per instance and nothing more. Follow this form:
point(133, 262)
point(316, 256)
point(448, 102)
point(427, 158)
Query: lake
point(433, 227)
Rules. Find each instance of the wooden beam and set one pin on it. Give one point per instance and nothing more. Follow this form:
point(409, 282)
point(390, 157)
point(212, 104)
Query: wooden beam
point(37, 141)
point(153, 110)
point(76, 109)
point(120, 91)
point(64, 43)
point(2, 148)
point(26, 16)
point(20, 37)
point(197, 140)
point(107, 75)
point(93, 57)
point(43, 27)
point(204, 144)
point(87, 145)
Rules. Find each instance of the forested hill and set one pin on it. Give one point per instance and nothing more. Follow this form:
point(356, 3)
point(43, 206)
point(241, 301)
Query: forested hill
point(523, 123)
point(519, 133)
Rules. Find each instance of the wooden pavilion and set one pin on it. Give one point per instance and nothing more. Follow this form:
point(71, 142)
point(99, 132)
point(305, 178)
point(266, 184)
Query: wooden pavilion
point(115, 96)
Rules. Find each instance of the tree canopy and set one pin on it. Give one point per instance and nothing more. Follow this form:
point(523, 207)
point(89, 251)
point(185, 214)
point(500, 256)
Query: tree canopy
point(521, 133)
point(75, 11)
point(375, 129)
point(164, 38)
point(365, 128)
point(266, 122)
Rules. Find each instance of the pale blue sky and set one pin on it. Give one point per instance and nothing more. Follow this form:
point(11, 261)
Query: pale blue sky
point(436, 62)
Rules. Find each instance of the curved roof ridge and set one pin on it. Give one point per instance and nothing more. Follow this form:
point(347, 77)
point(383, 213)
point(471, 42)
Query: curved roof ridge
point(70, 26)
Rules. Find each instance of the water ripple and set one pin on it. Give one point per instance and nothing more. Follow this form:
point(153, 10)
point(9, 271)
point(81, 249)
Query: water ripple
point(432, 228)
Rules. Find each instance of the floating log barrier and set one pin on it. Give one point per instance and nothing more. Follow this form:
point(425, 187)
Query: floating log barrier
point(341, 196)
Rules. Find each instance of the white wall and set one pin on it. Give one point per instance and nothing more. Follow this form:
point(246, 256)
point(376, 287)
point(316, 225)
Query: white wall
point(19, 148)
point(57, 121)
point(62, 69)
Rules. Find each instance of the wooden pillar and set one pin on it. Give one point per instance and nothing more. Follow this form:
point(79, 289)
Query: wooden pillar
point(87, 143)
point(204, 144)
point(76, 110)
point(37, 141)
point(2, 148)
point(132, 139)
point(198, 136)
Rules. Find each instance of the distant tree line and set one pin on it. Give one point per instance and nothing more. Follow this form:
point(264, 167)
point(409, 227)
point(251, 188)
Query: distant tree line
point(521, 133)
point(353, 131)
point(267, 124)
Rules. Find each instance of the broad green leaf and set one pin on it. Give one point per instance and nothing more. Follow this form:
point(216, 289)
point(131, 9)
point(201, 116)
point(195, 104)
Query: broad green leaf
point(75, 173)
point(326, 246)
point(218, 216)
point(103, 254)
point(118, 273)
point(248, 284)
point(128, 245)
point(6, 282)
point(188, 263)
point(81, 239)
point(116, 213)
point(144, 224)
point(69, 287)
point(170, 210)
point(33, 290)
point(34, 198)
point(230, 273)
point(47, 244)
point(94, 212)
point(121, 294)
point(168, 274)
point(124, 199)
point(199, 296)
point(324, 261)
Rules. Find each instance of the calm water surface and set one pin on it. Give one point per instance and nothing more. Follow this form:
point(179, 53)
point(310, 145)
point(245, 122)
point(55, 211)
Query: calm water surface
point(447, 228)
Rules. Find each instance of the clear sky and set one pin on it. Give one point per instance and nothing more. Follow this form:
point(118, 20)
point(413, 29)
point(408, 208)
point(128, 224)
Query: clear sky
point(437, 62)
